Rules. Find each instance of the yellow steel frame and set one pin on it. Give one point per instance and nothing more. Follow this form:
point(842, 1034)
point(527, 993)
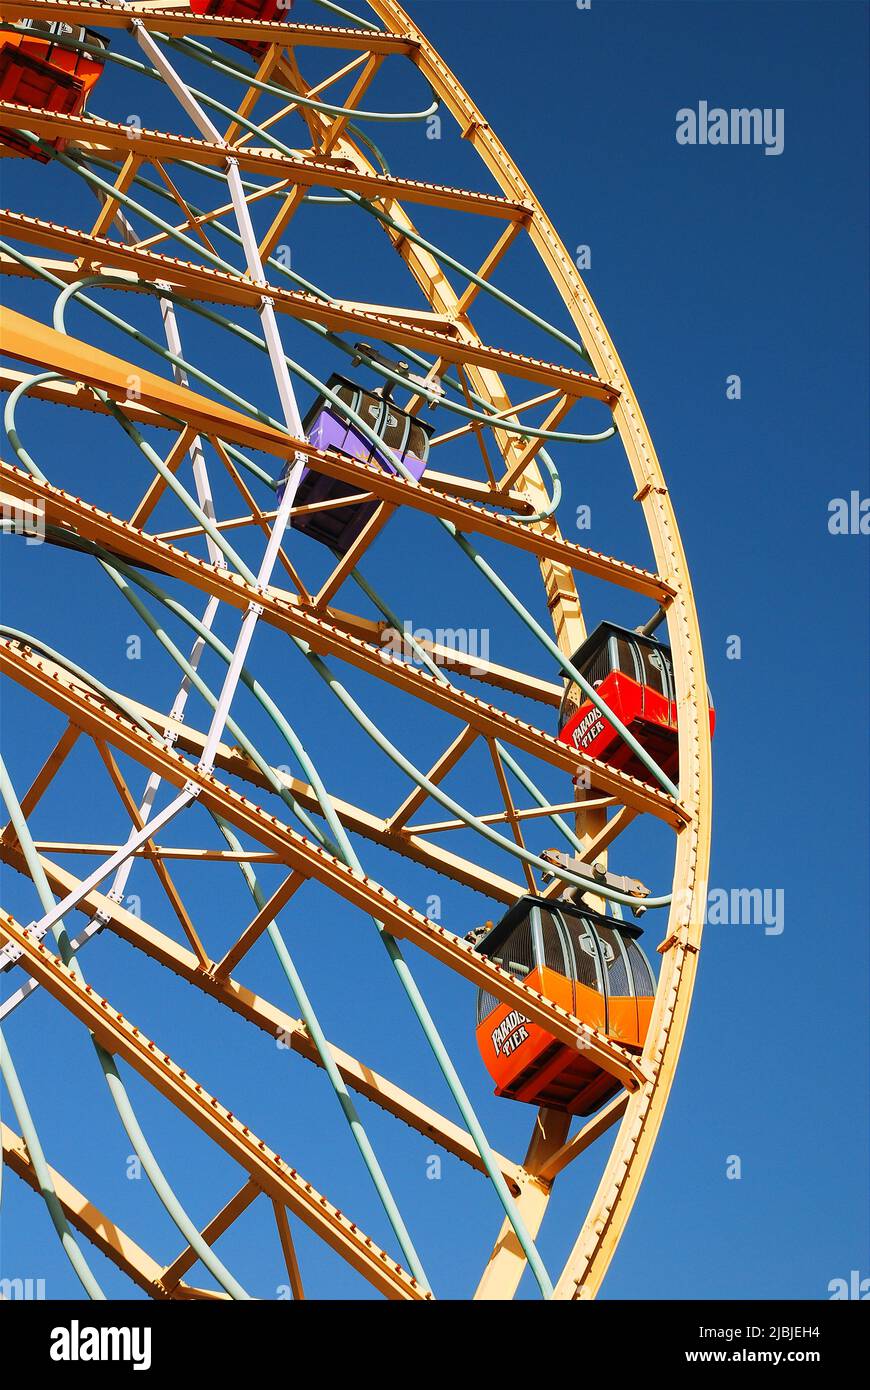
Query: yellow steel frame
point(445, 331)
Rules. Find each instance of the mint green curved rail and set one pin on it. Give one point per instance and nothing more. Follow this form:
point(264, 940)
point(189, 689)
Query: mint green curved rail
point(116, 1087)
point(46, 1188)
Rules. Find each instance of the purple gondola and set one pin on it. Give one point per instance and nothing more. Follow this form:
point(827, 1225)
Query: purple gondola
point(404, 434)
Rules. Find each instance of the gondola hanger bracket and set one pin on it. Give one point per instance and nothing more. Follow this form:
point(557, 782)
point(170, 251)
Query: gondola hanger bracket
point(620, 883)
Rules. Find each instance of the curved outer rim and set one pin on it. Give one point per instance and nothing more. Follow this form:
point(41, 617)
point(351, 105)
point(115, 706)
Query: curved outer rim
point(623, 1174)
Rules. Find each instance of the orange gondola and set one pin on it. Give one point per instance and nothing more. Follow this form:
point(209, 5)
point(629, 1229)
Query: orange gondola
point(38, 70)
point(590, 965)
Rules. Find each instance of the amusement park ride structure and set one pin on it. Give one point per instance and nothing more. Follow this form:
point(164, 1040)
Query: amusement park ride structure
point(571, 1017)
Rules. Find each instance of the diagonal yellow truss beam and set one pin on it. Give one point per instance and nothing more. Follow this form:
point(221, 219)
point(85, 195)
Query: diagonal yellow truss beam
point(267, 1169)
point(104, 1234)
point(219, 286)
point(178, 20)
point(311, 171)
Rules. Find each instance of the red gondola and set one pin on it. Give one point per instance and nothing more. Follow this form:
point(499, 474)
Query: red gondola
point(269, 11)
point(591, 966)
point(634, 676)
point(36, 70)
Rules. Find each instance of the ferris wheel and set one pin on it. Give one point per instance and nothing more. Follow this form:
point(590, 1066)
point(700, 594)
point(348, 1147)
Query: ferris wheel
point(315, 400)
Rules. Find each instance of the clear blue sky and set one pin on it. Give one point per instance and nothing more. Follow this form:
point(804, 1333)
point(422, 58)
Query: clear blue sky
point(705, 262)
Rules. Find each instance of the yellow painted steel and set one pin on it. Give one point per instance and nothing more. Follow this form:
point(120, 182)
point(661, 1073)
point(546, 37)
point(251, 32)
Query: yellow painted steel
point(446, 331)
